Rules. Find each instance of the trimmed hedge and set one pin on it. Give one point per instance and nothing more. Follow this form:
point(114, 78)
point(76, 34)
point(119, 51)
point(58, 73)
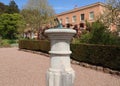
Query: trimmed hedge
point(101, 55)
point(37, 45)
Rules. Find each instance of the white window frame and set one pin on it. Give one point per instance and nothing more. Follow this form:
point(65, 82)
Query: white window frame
point(91, 15)
point(74, 18)
point(67, 20)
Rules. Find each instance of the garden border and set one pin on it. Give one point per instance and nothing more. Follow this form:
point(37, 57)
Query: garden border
point(97, 68)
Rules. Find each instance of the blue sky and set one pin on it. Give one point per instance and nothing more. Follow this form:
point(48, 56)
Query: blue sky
point(58, 5)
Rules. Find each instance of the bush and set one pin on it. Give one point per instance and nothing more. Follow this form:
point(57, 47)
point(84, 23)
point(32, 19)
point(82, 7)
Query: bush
point(11, 25)
point(0, 41)
point(99, 35)
point(85, 38)
point(101, 55)
point(75, 41)
point(5, 43)
point(12, 41)
point(38, 45)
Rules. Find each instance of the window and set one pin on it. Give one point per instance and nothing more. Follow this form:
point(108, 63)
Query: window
point(91, 15)
point(81, 25)
point(67, 20)
point(82, 17)
point(74, 19)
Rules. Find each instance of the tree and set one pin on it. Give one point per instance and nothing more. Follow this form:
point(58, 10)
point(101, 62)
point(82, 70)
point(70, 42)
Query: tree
point(37, 13)
point(111, 13)
point(10, 25)
point(99, 34)
point(12, 7)
point(2, 8)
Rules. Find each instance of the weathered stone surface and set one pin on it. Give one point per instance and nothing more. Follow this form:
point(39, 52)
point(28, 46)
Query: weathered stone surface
point(99, 68)
point(60, 72)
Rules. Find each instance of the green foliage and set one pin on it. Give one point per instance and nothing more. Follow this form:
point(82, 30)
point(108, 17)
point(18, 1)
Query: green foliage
point(75, 41)
point(37, 13)
point(99, 35)
point(88, 26)
point(38, 45)
point(101, 55)
point(12, 7)
point(32, 18)
point(2, 8)
point(5, 43)
point(85, 38)
point(0, 41)
point(10, 24)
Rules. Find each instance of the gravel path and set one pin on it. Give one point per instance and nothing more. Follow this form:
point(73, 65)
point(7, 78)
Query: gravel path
point(19, 68)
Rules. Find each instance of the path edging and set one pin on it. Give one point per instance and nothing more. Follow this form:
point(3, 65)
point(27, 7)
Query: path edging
point(98, 68)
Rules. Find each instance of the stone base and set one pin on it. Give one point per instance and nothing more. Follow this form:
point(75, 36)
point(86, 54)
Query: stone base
point(60, 78)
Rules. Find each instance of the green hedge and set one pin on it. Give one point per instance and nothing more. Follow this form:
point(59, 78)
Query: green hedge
point(102, 55)
point(37, 45)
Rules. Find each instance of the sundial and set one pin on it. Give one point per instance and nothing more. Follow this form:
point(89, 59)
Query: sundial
point(59, 25)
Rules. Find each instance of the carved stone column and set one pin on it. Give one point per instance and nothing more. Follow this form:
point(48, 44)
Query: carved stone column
point(60, 72)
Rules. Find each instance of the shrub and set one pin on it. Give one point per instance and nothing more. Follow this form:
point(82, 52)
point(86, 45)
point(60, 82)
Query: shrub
point(0, 41)
point(75, 41)
point(38, 45)
point(102, 55)
point(99, 35)
point(12, 41)
point(5, 43)
point(85, 38)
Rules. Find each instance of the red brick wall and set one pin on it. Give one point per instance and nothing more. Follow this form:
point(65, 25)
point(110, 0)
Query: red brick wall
point(97, 9)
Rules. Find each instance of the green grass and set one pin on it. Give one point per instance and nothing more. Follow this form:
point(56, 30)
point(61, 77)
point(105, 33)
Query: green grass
point(7, 42)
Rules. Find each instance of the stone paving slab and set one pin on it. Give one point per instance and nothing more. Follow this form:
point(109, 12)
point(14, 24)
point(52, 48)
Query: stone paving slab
point(19, 68)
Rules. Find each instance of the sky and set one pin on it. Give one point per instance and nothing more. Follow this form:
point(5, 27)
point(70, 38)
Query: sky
point(58, 5)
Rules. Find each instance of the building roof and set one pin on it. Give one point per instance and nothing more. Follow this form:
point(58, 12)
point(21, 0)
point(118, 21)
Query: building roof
point(81, 8)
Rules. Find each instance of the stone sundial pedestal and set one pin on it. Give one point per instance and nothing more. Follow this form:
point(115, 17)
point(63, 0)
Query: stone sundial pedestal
point(60, 72)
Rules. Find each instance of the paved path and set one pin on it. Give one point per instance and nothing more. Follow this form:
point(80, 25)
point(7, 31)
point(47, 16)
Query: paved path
point(18, 68)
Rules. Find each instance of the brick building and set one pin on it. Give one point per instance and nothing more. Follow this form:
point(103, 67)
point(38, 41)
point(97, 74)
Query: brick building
point(78, 16)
